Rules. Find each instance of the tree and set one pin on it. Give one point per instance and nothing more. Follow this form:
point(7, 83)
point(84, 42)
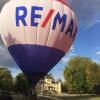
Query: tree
point(21, 84)
point(6, 80)
point(81, 75)
point(93, 77)
point(64, 87)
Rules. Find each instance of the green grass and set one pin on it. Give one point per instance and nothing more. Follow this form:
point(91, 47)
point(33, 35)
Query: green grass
point(62, 98)
point(18, 97)
point(79, 97)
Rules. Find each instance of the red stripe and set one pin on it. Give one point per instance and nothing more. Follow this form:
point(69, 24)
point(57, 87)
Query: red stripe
point(62, 1)
point(65, 3)
point(47, 18)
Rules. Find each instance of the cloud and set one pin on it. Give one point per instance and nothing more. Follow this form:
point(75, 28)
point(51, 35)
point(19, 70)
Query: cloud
point(87, 11)
point(5, 58)
point(98, 21)
point(65, 59)
point(98, 52)
point(72, 47)
point(2, 2)
point(96, 61)
point(69, 55)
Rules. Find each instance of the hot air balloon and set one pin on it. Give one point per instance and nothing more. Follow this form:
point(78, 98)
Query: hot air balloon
point(37, 34)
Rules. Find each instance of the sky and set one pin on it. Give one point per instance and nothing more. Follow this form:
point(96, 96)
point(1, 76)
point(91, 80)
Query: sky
point(87, 42)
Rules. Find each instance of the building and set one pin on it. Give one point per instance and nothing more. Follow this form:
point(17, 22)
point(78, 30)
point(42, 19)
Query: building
point(49, 85)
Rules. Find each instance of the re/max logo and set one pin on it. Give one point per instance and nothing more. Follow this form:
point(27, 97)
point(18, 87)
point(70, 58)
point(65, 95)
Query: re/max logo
point(61, 19)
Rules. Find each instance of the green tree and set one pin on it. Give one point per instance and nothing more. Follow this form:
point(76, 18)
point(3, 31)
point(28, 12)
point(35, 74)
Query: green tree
point(21, 84)
point(6, 80)
point(81, 75)
point(64, 87)
point(93, 76)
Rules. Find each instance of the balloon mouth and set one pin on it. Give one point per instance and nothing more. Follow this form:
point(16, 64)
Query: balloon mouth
point(34, 77)
point(35, 60)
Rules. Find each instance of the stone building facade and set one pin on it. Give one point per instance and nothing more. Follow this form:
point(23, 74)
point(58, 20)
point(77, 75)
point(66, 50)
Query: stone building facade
point(48, 84)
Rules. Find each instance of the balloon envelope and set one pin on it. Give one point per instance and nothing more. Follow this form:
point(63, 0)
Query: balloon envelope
point(37, 34)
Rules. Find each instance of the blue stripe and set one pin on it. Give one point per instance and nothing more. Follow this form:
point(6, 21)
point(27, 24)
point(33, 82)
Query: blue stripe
point(35, 60)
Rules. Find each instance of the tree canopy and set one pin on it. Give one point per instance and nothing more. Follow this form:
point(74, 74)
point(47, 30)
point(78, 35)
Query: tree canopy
point(21, 84)
point(6, 79)
point(82, 75)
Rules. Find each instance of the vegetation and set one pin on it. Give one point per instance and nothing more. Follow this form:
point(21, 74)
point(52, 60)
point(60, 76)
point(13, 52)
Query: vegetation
point(7, 83)
point(82, 75)
point(62, 98)
point(6, 79)
point(21, 84)
point(78, 97)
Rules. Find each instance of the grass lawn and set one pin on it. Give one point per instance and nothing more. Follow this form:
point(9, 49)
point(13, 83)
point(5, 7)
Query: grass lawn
point(19, 97)
point(62, 98)
point(79, 97)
